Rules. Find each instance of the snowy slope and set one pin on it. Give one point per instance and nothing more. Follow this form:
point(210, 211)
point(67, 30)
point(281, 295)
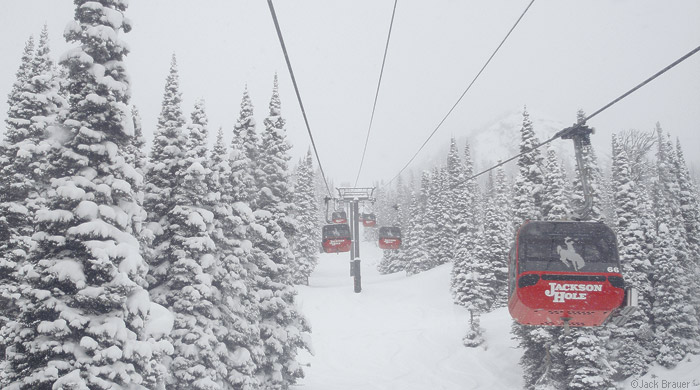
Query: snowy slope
point(405, 333)
point(399, 333)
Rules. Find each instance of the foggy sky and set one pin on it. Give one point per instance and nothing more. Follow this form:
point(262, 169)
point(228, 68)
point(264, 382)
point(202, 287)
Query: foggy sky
point(565, 55)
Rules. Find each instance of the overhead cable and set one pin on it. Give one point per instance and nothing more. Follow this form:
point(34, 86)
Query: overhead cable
point(463, 93)
point(376, 95)
point(568, 130)
point(296, 89)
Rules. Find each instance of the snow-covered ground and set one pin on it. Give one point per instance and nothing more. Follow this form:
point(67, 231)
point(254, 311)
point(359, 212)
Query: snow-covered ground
point(398, 333)
point(686, 375)
point(404, 333)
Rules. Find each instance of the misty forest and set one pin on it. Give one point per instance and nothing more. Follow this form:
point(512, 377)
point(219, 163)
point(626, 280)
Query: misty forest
point(184, 261)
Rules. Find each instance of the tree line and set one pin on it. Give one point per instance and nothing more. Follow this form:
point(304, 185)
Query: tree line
point(120, 269)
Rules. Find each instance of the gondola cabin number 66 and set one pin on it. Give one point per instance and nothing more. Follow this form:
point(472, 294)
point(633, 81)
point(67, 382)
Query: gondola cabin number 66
point(564, 273)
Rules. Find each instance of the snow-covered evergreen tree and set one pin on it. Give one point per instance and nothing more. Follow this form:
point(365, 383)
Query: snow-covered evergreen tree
point(282, 328)
point(475, 284)
point(586, 359)
point(455, 185)
point(630, 345)
point(527, 204)
point(504, 235)
point(162, 179)
point(33, 104)
point(689, 200)
point(189, 291)
point(136, 150)
point(555, 202)
point(543, 363)
point(529, 184)
point(235, 278)
point(416, 255)
point(467, 226)
point(433, 216)
point(675, 320)
point(22, 76)
point(307, 239)
point(676, 325)
point(86, 299)
point(244, 154)
point(443, 249)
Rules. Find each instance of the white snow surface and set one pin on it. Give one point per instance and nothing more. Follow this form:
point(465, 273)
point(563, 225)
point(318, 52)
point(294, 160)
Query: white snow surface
point(398, 333)
point(686, 375)
point(405, 333)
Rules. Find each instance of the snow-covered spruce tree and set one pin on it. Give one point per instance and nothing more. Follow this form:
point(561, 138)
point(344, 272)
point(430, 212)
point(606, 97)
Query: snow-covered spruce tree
point(282, 328)
point(675, 320)
point(430, 224)
point(135, 155)
point(12, 250)
point(33, 104)
point(244, 154)
point(637, 145)
point(454, 192)
point(689, 200)
point(685, 249)
point(555, 202)
point(237, 300)
point(22, 76)
point(535, 342)
point(86, 299)
point(630, 345)
point(543, 364)
point(161, 180)
point(307, 239)
point(529, 183)
point(469, 198)
point(403, 200)
point(467, 229)
point(416, 256)
point(136, 150)
point(476, 287)
point(504, 236)
point(189, 292)
point(586, 359)
point(444, 248)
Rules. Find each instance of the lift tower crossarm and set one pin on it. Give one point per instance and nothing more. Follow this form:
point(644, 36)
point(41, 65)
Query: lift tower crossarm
point(356, 193)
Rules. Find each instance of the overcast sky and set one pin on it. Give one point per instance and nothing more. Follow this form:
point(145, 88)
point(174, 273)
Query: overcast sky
point(564, 55)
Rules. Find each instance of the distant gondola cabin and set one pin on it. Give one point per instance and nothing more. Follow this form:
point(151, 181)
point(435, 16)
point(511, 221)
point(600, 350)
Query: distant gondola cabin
point(389, 237)
point(336, 238)
point(369, 220)
point(339, 217)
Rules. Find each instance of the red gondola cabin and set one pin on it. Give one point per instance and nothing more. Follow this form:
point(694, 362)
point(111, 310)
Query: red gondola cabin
point(564, 273)
point(339, 217)
point(369, 220)
point(389, 237)
point(336, 238)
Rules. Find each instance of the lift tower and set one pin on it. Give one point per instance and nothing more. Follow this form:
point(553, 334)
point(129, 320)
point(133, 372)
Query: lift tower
point(353, 196)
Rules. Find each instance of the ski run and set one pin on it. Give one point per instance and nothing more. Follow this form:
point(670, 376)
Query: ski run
point(195, 265)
